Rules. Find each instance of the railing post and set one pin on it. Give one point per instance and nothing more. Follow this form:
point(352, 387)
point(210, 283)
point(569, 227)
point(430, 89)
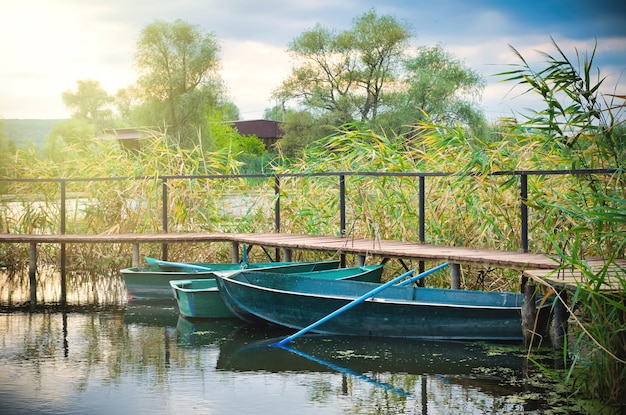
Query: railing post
point(277, 212)
point(524, 210)
point(342, 205)
point(63, 254)
point(277, 204)
point(32, 274)
point(164, 203)
point(422, 209)
point(422, 223)
point(342, 213)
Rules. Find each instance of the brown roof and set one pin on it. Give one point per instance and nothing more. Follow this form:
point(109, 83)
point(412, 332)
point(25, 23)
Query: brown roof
point(260, 128)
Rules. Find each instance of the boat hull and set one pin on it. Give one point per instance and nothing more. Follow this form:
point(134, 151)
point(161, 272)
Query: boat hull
point(405, 312)
point(152, 282)
point(200, 298)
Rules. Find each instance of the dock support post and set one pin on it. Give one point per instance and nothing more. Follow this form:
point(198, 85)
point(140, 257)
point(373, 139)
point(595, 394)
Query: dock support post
point(558, 325)
point(455, 274)
point(529, 313)
point(32, 274)
point(287, 254)
point(63, 277)
point(361, 260)
point(135, 260)
point(235, 253)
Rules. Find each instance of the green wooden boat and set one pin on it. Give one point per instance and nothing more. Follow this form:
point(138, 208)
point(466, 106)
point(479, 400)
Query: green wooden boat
point(152, 281)
point(200, 298)
point(404, 311)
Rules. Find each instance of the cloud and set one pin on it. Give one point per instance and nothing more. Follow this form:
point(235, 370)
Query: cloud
point(253, 70)
point(47, 51)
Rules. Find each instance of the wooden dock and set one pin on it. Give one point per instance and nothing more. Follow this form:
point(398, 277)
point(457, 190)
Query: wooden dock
point(542, 269)
point(609, 277)
point(362, 247)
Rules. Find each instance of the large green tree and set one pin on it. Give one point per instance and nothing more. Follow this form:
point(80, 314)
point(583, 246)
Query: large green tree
point(436, 85)
point(345, 73)
point(370, 74)
point(178, 80)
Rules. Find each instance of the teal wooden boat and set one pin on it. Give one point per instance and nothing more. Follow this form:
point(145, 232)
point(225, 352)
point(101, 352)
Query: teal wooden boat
point(152, 281)
point(297, 302)
point(200, 298)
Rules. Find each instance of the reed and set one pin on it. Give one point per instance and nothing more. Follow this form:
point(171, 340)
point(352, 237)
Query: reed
point(584, 126)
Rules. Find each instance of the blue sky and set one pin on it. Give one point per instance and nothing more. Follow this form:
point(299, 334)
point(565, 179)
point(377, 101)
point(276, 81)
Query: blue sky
point(48, 45)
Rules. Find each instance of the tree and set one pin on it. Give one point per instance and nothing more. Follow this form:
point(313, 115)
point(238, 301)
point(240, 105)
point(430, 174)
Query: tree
point(90, 102)
point(178, 78)
point(345, 73)
point(369, 74)
point(436, 85)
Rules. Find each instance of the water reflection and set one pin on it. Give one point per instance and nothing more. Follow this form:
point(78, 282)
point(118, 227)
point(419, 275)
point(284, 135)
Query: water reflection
point(99, 288)
point(143, 358)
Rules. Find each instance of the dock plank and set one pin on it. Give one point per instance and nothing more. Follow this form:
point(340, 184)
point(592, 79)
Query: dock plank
point(324, 243)
point(611, 277)
point(537, 266)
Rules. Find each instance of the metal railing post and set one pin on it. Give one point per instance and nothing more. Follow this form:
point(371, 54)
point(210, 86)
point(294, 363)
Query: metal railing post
point(277, 212)
point(422, 223)
point(422, 209)
point(63, 253)
point(342, 213)
point(342, 205)
point(524, 210)
point(164, 203)
point(277, 204)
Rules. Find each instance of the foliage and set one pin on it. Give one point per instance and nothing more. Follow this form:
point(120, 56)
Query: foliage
point(301, 129)
point(345, 72)
point(178, 81)
point(4, 151)
point(582, 124)
point(75, 132)
point(224, 136)
point(437, 84)
point(369, 74)
point(90, 102)
point(579, 119)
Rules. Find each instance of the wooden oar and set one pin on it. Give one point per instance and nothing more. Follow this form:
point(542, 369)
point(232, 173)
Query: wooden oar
point(154, 261)
point(358, 301)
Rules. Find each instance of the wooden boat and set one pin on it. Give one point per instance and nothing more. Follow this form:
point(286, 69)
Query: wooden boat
point(405, 311)
point(200, 298)
point(152, 281)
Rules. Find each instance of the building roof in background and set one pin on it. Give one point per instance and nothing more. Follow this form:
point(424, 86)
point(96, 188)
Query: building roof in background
point(261, 128)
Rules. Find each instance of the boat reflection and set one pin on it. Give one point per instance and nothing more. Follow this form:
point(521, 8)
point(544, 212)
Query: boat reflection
point(249, 349)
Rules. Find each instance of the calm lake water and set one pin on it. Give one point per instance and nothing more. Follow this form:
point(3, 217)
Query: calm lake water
point(142, 358)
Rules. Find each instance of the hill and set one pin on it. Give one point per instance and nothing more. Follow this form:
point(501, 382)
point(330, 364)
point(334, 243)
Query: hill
point(24, 132)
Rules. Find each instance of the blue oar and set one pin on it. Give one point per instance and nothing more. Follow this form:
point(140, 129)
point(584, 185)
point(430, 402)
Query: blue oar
point(154, 261)
point(359, 301)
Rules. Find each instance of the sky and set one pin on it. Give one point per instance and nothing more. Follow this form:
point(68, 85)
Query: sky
point(49, 45)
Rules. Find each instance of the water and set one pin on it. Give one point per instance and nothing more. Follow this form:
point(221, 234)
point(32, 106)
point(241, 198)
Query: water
point(143, 358)
point(140, 357)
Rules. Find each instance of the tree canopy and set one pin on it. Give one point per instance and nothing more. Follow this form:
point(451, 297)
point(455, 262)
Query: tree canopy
point(369, 73)
point(89, 102)
point(345, 72)
point(178, 79)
